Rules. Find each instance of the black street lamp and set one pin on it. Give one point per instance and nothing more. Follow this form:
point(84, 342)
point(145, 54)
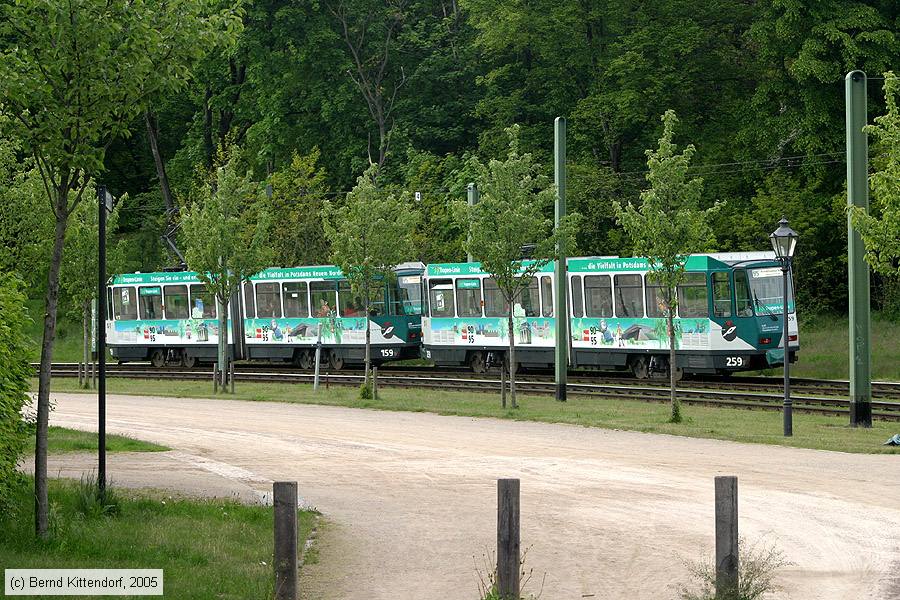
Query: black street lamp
point(105, 203)
point(784, 242)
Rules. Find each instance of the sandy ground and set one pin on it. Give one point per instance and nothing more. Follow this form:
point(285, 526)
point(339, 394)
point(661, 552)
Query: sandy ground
point(411, 498)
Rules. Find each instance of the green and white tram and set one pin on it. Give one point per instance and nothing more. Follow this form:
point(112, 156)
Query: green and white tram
point(281, 314)
point(729, 316)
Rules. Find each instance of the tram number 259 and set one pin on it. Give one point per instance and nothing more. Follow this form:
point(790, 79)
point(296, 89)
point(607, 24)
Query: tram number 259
point(388, 352)
point(734, 361)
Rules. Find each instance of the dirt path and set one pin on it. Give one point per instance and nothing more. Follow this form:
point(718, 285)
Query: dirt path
point(608, 514)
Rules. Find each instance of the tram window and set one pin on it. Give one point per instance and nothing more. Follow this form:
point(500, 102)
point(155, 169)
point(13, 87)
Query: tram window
point(656, 299)
point(203, 304)
point(409, 295)
point(377, 307)
point(743, 304)
point(268, 301)
point(295, 299)
point(150, 302)
point(528, 299)
point(124, 304)
point(693, 299)
point(324, 298)
point(598, 296)
point(546, 296)
point(175, 301)
point(629, 296)
point(351, 304)
point(440, 295)
point(468, 297)
point(577, 297)
point(721, 294)
point(249, 305)
point(494, 303)
point(109, 303)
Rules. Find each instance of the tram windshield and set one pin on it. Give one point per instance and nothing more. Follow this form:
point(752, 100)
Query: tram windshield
point(766, 289)
point(409, 291)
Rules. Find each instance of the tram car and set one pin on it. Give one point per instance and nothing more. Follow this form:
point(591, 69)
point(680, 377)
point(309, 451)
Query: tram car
point(729, 316)
point(280, 314)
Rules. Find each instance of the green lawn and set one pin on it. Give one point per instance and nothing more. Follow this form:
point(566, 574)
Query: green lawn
point(60, 439)
point(825, 347)
point(810, 431)
point(213, 549)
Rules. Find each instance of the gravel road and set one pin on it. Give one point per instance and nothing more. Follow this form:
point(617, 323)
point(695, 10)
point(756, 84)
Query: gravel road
point(410, 498)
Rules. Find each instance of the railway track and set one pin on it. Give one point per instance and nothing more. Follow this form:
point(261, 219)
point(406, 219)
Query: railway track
point(752, 393)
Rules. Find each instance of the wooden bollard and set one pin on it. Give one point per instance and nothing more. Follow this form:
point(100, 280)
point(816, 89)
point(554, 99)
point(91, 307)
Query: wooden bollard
point(231, 367)
point(215, 377)
point(284, 499)
point(375, 383)
point(508, 539)
point(726, 536)
point(80, 375)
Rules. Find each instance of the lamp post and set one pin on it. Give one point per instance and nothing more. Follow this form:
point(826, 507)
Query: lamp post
point(784, 242)
point(105, 202)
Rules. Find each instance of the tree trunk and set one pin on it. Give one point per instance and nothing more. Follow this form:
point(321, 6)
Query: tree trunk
point(223, 344)
point(512, 358)
point(208, 149)
point(160, 168)
point(670, 319)
point(86, 334)
point(41, 500)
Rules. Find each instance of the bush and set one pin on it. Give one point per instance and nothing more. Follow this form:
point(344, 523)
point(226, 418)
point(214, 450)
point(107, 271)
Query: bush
point(757, 568)
point(14, 375)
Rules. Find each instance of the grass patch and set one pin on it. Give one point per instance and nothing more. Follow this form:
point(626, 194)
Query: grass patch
point(207, 548)
point(764, 427)
point(61, 439)
point(825, 349)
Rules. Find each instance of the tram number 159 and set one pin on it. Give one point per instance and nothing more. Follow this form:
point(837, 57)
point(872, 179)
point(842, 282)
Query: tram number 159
point(734, 361)
point(388, 352)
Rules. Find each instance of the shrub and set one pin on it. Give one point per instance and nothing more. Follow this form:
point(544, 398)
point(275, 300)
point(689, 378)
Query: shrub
point(757, 569)
point(15, 372)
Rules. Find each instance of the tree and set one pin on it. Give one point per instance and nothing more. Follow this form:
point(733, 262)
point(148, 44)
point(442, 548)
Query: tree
point(226, 234)
point(73, 74)
point(881, 235)
point(15, 372)
point(80, 267)
point(510, 216)
point(298, 196)
point(667, 226)
point(369, 236)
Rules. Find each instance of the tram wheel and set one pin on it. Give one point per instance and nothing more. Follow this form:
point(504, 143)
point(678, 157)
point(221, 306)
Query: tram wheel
point(158, 358)
point(336, 360)
point(188, 360)
point(639, 367)
point(476, 363)
point(305, 360)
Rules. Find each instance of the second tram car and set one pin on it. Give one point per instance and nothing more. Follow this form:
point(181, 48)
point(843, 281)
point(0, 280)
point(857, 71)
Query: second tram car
point(729, 316)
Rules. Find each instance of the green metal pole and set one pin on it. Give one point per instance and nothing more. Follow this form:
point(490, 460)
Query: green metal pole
point(562, 313)
point(473, 200)
point(858, 270)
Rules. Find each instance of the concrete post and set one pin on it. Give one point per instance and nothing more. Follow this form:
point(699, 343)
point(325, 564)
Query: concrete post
point(561, 308)
point(284, 496)
point(508, 539)
point(726, 537)
point(858, 270)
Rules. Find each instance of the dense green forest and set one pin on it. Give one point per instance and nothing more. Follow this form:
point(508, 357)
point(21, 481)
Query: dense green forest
point(314, 92)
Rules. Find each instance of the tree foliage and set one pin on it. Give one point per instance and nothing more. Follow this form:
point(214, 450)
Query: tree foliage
point(369, 235)
point(881, 233)
point(668, 225)
point(15, 373)
point(226, 231)
point(510, 223)
point(298, 197)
